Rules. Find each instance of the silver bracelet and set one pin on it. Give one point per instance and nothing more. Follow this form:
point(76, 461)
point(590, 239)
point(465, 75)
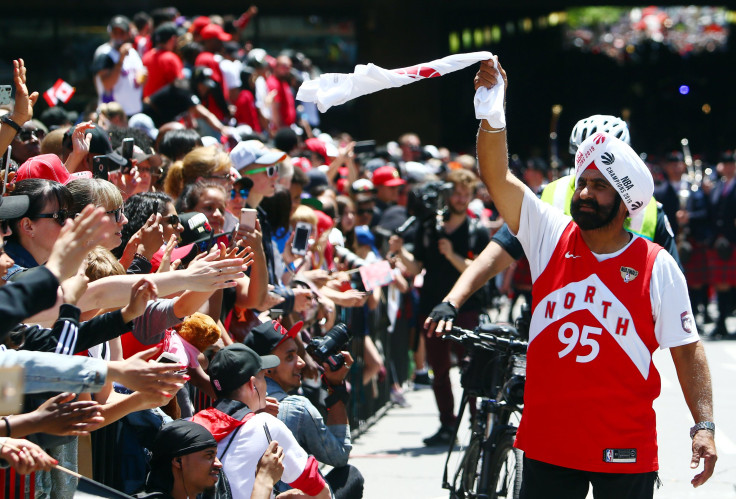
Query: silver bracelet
point(480, 127)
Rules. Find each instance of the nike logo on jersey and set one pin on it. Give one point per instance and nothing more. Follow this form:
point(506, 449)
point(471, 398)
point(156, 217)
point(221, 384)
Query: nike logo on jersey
point(570, 255)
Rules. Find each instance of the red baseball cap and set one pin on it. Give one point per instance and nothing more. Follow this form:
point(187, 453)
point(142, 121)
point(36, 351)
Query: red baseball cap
point(198, 24)
point(49, 167)
point(181, 253)
point(388, 176)
point(327, 151)
point(214, 31)
point(264, 338)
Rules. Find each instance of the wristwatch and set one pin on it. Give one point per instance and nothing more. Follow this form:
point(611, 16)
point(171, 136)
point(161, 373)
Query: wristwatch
point(12, 124)
point(703, 425)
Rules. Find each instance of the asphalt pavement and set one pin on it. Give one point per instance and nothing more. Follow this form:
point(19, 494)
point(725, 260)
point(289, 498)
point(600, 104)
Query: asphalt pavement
point(396, 464)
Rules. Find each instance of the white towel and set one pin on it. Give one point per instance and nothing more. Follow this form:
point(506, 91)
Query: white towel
point(332, 89)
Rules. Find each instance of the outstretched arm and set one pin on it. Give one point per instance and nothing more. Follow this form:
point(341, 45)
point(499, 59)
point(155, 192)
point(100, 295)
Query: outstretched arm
point(506, 190)
point(694, 375)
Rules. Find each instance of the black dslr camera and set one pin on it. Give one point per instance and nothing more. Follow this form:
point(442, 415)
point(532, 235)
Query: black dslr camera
point(327, 348)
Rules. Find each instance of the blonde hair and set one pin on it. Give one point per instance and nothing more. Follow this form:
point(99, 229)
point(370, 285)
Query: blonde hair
point(101, 263)
point(200, 330)
point(112, 110)
point(200, 162)
point(94, 191)
point(304, 214)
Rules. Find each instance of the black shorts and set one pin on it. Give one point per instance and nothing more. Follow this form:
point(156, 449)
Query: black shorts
point(543, 480)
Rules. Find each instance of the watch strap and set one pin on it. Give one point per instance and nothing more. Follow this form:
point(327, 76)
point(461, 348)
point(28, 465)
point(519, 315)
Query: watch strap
point(6, 119)
point(703, 425)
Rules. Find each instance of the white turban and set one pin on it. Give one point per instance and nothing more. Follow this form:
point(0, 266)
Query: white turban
point(621, 166)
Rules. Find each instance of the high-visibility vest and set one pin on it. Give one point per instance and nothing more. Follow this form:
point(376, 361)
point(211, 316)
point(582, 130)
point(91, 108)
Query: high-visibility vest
point(559, 194)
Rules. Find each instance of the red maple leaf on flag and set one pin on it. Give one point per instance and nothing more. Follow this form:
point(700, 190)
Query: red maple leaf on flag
point(419, 71)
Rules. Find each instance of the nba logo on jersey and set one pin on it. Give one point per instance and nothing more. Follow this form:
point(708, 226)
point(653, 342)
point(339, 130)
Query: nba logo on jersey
point(609, 456)
point(628, 274)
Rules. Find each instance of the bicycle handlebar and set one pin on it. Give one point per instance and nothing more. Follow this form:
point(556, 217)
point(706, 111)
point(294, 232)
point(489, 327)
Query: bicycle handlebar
point(484, 337)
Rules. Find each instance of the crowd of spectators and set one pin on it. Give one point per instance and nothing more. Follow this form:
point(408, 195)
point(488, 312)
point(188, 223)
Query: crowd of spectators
point(225, 243)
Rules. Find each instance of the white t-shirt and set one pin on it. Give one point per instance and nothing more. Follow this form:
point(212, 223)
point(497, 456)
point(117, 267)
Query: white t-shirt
point(540, 228)
point(126, 91)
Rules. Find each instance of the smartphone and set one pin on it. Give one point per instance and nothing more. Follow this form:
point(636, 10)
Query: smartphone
point(248, 218)
point(127, 153)
point(11, 390)
point(100, 167)
point(268, 433)
point(301, 238)
point(6, 168)
point(5, 92)
point(365, 147)
point(168, 358)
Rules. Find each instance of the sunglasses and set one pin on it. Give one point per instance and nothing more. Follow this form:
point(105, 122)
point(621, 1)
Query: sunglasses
point(173, 220)
point(117, 213)
point(243, 193)
point(26, 135)
point(58, 216)
point(364, 211)
point(271, 171)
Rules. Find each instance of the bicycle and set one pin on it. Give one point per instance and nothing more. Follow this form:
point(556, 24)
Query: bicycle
point(490, 467)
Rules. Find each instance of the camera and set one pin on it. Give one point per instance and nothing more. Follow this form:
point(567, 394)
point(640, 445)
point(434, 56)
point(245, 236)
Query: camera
point(327, 348)
point(427, 200)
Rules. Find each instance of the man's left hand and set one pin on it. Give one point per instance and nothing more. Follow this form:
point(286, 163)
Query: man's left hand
point(337, 377)
point(704, 446)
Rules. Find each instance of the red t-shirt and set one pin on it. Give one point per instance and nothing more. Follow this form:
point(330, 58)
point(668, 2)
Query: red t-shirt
point(245, 112)
point(163, 68)
point(590, 380)
point(285, 98)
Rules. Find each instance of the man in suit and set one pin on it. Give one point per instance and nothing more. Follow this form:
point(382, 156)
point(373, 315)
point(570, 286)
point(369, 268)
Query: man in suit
point(721, 257)
point(668, 192)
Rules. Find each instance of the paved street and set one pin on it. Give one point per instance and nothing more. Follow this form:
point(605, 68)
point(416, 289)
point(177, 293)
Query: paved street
point(396, 464)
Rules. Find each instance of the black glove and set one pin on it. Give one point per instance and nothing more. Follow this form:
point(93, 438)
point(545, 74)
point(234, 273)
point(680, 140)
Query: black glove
point(445, 311)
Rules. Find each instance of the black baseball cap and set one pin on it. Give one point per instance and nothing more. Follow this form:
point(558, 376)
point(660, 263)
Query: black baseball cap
point(13, 206)
point(267, 336)
point(234, 365)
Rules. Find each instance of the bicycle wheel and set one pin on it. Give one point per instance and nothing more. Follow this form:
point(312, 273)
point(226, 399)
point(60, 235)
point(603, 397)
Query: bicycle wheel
point(467, 476)
point(505, 470)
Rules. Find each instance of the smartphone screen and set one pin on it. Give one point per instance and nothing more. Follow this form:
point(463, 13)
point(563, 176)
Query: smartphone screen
point(248, 218)
point(301, 238)
point(100, 167)
point(5, 92)
point(128, 148)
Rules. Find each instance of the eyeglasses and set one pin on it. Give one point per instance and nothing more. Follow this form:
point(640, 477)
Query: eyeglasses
point(271, 171)
point(243, 193)
point(173, 220)
point(117, 213)
point(58, 216)
point(25, 135)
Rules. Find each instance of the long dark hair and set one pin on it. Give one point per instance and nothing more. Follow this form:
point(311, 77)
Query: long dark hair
point(278, 209)
point(192, 192)
point(39, 192)
point(138, 209)
point(344, 202)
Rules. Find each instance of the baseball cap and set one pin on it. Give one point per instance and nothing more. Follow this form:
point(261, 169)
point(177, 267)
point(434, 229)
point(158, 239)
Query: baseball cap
point(100, 143)
point(317, 178)
point(184, 253)
point(199, 23)
point(121, 22)
point(234, 365)
point(13, 206)
point(196, 228)
point(324, 149)
point(165, 32)
point(212, 31)
point(49, 167)
point(621, 166)
point(251, 152)
point(144, 122)
point(267, 336)
point(388, 176)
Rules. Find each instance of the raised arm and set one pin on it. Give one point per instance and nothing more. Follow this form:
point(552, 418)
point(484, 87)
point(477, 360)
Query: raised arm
point(506, 190)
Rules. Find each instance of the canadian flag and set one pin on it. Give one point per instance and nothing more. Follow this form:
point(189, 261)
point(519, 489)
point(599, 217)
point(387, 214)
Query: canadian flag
point(61, 91)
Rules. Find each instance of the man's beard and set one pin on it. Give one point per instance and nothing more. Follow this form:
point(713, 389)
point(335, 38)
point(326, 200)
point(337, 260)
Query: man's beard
point(601, 217)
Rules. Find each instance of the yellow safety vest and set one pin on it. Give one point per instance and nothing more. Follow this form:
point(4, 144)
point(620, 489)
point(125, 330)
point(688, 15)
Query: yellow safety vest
point(559, 194)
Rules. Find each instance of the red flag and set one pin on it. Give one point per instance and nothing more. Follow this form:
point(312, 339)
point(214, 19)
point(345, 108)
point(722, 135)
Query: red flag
point(61, 91)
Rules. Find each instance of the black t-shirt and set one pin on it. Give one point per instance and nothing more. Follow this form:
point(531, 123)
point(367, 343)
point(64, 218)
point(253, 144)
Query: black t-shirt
point(508, 242)
point(169, 103)
point(441, 275)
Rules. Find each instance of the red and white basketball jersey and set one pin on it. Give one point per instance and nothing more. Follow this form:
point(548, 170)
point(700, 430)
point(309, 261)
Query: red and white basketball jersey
point(590, 377)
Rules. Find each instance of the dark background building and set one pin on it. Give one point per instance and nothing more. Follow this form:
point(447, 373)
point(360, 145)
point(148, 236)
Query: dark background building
point(57, 39)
